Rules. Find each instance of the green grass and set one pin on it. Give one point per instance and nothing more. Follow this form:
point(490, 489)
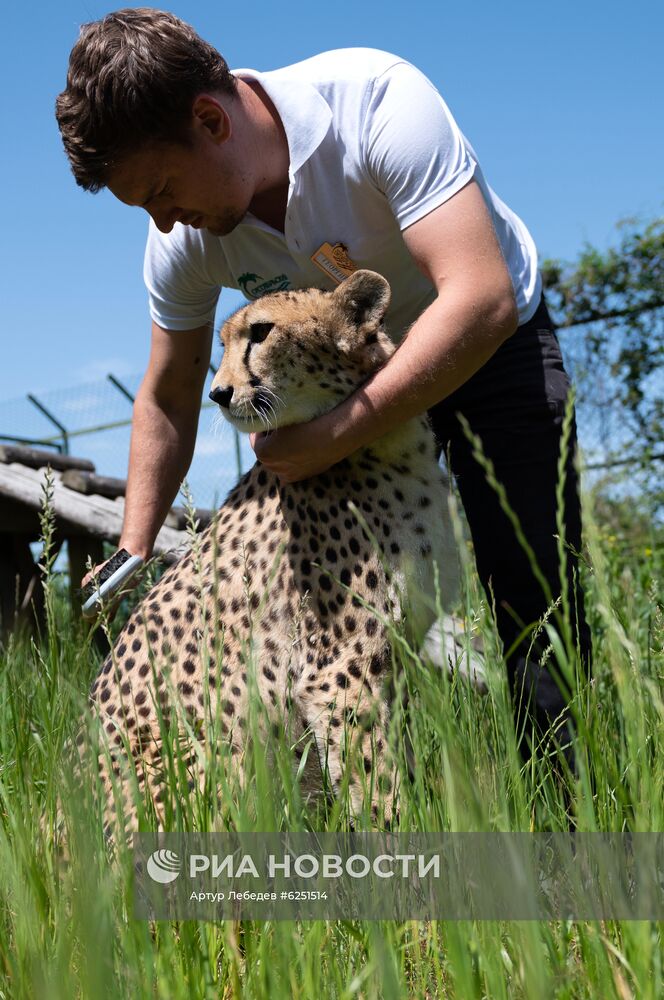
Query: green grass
point(69, 933)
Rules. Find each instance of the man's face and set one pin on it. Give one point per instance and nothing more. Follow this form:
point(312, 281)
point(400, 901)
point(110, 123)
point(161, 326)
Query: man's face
point(196, 185)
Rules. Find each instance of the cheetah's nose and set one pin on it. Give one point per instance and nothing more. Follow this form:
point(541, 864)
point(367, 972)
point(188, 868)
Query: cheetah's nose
point(222, 396)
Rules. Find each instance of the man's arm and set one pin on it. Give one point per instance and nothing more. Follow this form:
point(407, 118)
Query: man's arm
point(456, 247)
point(164, 426)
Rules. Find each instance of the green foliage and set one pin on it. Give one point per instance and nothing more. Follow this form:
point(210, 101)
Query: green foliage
point(612, 304)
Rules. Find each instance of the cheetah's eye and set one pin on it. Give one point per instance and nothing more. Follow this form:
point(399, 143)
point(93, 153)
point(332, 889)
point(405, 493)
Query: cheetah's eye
point(259, 331)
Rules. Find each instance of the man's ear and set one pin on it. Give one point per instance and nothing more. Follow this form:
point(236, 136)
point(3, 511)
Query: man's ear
point(210, 114)
point(364, 298)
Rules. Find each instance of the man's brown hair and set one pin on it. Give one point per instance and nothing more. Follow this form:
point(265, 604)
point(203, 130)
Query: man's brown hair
point(132, 79)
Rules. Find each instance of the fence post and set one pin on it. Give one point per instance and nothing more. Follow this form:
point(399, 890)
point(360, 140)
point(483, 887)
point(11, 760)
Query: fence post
point(54, 421)
point(118, 385)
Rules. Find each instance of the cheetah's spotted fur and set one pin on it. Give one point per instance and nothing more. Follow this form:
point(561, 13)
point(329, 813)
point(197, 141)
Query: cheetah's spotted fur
point(289, 566)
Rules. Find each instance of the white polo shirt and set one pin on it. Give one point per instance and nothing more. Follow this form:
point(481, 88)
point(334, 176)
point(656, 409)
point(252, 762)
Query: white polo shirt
point(373, 148)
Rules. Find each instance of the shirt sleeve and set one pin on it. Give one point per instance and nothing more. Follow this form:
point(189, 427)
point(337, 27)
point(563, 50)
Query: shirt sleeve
point(414, 151)
point(182, 294)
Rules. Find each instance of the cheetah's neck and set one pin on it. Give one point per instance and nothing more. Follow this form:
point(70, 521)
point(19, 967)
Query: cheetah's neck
point(412, 443)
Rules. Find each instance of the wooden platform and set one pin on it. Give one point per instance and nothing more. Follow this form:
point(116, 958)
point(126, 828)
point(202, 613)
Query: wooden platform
point(89, 510)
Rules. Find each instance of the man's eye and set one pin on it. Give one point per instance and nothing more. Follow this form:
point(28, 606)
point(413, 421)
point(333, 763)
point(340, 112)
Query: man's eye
point(259, 331)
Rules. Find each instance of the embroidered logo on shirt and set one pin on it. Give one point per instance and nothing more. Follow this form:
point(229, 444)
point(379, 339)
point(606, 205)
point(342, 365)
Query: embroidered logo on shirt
point(254, 285)
point(334, 261)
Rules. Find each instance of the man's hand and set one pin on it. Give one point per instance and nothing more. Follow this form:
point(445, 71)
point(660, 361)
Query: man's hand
point(93, 581)
point(110, 607)
point(299, 451)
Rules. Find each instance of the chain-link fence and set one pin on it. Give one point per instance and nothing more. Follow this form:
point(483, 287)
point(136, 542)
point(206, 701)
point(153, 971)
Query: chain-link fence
point(94, 421)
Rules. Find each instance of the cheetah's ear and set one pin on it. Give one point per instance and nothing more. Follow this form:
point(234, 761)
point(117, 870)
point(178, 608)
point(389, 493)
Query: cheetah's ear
point(364, 298)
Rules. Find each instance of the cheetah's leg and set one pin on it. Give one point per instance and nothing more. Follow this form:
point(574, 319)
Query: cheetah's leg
point(149, 771)
point(349, 718)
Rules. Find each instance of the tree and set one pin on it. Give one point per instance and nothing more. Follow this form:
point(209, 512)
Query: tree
point(610, 310)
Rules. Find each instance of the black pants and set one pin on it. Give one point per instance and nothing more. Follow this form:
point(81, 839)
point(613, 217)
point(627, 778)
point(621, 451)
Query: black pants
point(516, 404)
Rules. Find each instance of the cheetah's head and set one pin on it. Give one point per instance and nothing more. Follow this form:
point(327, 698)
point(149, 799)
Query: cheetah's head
point(294, 355)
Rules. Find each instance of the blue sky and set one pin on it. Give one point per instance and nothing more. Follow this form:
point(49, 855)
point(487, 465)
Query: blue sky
point(562, 103)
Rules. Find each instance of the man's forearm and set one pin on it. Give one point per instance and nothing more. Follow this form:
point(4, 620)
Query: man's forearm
point(162, 445)
point(456, 248)
point(446, 345)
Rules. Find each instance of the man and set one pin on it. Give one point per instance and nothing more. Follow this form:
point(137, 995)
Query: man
point(270, 181)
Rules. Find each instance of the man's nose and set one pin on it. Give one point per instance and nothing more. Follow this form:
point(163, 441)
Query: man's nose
point(164, 220)
point(222, 396)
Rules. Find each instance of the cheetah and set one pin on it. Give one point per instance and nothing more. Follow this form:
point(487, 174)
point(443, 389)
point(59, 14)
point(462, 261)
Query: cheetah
point(288, 594)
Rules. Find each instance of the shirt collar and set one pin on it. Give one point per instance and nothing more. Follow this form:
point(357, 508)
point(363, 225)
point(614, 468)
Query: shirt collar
point(304, 112)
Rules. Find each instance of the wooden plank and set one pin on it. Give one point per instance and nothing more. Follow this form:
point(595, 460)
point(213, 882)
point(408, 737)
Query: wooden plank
point(38, 458)
point(89, 483)
point(75, 513)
